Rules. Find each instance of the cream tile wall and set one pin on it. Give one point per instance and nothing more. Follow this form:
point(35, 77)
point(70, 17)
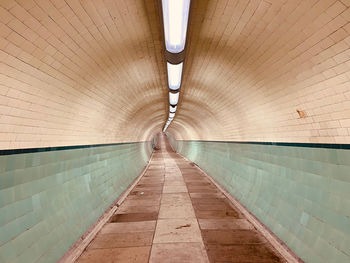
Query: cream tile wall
point(86, 72)
point(79, 72)
point(252, 64)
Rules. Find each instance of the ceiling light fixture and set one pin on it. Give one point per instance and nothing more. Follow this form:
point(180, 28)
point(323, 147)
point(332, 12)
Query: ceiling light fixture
point(175, 19)
point(172, 108)
point(174, 75)
point(175, 15)
point(174, 98)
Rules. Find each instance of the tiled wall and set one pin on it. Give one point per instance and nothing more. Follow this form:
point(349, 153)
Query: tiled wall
point(251, 65)
point(172, 140)
point(49, 199)
point(300, 193)
point(74, 72)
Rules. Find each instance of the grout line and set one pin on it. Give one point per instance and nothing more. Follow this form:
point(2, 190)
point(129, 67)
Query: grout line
point(160, 203)
point(78, 248)
point(286, 253)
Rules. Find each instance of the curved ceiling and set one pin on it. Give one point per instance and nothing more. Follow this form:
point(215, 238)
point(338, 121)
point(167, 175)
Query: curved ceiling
point(80, 72)
point(253, 64)
point(93, 71)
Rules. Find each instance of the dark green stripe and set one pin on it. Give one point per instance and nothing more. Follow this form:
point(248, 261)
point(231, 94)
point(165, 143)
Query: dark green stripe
point(59, 148)
point(293, 144)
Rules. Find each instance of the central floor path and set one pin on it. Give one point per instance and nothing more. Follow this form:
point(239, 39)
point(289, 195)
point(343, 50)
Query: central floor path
point(175, 214)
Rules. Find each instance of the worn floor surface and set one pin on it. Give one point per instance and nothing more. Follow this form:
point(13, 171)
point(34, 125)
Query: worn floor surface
point(175, 214)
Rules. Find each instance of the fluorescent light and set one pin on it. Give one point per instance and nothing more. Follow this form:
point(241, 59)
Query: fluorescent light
point(174, 98)
point(175, 18)
point(171, 115)
point(172, 109)
point(174, 75)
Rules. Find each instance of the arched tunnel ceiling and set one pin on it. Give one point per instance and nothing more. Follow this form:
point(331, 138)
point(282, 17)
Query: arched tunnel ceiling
point(80, 72)
point(251, 65)
point(93, 71)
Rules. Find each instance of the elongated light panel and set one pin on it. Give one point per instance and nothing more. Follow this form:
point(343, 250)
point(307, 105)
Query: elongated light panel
point(174, 98)
point(174, 75)
point(171, 115)
point(172, 109)
point(175, 18)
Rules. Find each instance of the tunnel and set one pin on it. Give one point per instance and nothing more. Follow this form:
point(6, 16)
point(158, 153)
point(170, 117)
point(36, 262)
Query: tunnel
point(174, 131)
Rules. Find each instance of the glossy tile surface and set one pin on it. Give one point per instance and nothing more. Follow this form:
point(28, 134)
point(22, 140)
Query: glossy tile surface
point(175, 214)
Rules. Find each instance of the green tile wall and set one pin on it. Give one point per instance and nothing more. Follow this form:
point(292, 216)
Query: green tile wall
point(49, 199)
point(301, 193)
point(172, 140)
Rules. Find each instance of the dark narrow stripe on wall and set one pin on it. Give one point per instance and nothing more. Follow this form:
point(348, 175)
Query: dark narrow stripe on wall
point(293, 144)
point(61, 148)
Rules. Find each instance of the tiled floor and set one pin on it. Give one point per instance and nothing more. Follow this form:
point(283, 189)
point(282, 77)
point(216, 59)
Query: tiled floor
point(175, 214)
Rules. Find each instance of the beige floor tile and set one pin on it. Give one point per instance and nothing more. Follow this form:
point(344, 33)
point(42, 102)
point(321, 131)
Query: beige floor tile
point(177, 230)
point(176, 198)
point(176, 211)
point(174, 182)
point(175, 189)
point(173, 175)
point(178, 252)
